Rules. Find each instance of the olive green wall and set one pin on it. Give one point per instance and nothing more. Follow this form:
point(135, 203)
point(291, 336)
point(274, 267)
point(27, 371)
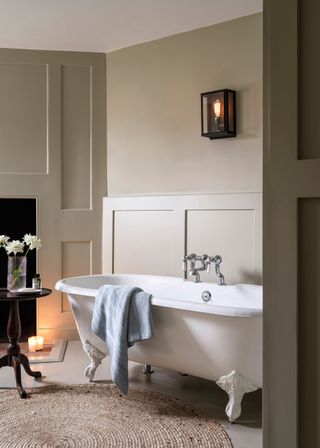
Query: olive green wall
point(153, 112)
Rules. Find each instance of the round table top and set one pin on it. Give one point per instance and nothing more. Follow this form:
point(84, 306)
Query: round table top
point(6, 295)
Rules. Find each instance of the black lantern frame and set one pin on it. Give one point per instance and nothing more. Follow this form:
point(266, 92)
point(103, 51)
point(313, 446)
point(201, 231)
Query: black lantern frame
point(218, 114)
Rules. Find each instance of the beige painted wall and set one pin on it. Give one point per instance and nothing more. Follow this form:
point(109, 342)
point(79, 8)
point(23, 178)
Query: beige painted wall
point(153, 112)
point(52, 147)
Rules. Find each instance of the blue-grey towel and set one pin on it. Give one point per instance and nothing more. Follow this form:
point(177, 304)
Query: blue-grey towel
point(121, 317)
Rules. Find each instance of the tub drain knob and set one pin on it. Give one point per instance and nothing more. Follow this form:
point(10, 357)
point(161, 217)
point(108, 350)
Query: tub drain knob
point(206, 296)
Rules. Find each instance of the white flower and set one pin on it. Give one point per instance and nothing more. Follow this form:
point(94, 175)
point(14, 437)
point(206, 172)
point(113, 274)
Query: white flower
point(28, 238)
point(4, 240)
point(14, 247)
point(36, 243)
point(32, 241)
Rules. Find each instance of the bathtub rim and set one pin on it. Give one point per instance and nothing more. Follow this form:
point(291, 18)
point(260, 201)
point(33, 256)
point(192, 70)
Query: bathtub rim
point(207, 308)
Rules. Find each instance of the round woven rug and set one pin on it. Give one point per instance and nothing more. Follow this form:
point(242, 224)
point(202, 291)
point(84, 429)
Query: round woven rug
point(98, 415)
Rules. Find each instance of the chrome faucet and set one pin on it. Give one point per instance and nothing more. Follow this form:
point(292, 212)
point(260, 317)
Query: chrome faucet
point(205, 262)
point(193, 258)
point(216, 260)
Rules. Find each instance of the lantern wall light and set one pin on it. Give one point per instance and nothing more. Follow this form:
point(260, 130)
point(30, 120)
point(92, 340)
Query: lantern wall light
point(218, 114)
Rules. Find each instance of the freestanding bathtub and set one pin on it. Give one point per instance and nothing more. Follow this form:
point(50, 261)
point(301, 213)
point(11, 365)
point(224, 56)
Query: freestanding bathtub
point(220, 340)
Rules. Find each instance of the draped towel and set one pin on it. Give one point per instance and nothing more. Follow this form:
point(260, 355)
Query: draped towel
point(121, 317)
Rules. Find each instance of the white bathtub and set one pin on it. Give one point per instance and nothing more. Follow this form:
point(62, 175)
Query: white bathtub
point(220, 340)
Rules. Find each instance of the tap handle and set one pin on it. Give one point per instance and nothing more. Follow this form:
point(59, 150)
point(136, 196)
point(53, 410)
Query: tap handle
point(217, 259)
point(205, 261)
point(192, 258)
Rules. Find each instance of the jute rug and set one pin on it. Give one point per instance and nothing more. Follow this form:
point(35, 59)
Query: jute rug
point(97, 415)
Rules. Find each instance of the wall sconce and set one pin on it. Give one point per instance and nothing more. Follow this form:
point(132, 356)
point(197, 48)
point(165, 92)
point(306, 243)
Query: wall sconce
point(218, 114)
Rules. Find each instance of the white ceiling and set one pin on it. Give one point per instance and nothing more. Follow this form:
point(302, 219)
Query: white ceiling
point(106, 25)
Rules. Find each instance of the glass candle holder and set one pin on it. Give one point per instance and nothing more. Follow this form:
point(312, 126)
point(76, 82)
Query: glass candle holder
point(35, 343)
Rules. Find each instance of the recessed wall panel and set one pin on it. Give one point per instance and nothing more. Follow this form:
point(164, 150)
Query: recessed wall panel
point(229, 233)
point(309, 318)
point(76, 260)
point(309, 94)
point(76, 137)
point(143, 242)
point(23, 118)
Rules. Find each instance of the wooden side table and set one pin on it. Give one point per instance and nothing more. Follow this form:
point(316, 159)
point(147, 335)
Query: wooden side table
point(14, 358)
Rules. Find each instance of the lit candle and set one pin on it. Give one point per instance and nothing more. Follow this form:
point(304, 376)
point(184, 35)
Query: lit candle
point(35, 343)
point(217, 108)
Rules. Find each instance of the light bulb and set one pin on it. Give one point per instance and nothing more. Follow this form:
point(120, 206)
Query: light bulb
point(217, 108)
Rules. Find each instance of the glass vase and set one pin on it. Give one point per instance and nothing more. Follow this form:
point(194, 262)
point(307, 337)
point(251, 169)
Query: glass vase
point(17, 272)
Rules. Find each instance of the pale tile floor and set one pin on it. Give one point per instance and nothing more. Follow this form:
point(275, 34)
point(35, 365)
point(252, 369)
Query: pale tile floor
point(201, 394)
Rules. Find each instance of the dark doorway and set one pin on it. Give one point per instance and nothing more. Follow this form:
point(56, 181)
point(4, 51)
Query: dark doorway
point(18, 217)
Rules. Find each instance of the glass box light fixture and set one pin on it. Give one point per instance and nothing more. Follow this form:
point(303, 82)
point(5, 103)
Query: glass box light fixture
point(218, 114)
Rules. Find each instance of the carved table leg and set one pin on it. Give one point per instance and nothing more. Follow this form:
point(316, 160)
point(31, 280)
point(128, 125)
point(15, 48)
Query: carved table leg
point(25, 363)
point(14, 329)
point(13, 357)
point(17, 372)
point(236, 385)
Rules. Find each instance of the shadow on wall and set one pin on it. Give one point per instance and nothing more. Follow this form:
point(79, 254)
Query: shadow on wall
point(249, 122)
point(251, 278)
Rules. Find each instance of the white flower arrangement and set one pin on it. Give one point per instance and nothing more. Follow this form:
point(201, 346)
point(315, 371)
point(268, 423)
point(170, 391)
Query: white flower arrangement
point(17, 266)
point(17, 247)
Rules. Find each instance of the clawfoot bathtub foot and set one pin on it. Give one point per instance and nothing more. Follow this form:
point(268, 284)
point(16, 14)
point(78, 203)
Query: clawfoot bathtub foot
point(236, 385)
point(96, 356)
